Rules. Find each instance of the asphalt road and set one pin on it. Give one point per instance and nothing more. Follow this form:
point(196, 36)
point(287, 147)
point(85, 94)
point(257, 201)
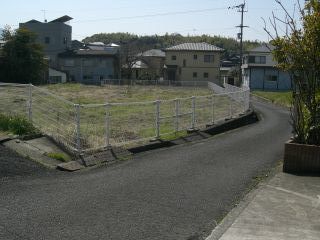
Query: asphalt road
point(175, 193)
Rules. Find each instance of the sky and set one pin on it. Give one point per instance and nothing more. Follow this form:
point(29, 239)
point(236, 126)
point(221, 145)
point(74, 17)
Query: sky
point(146, 17)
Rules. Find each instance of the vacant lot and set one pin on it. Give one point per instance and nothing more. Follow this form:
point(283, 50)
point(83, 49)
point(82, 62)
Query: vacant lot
point(131, 117)
point(86, 94)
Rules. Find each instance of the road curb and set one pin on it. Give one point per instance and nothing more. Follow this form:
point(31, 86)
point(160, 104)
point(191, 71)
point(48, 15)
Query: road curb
point(249, 117)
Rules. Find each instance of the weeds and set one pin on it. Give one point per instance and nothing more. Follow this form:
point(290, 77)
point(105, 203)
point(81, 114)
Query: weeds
point(15, 124)
point(59, 156)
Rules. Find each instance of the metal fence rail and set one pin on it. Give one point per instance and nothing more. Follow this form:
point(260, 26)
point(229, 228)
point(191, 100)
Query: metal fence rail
point(158, 82)
point(90, 127)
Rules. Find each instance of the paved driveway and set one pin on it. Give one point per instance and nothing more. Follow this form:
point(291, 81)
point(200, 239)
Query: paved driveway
point(175, 193)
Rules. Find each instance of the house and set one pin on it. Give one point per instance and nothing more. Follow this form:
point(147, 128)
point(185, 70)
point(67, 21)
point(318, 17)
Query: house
point(229, 68)
point(75, 44)
point(193, 62)
point(155, 60)
point(91, 64)
point(56, 76)
point(137, 69)
point(73, 59)
point(146, 65)
point(260, 71)
point(55, 36)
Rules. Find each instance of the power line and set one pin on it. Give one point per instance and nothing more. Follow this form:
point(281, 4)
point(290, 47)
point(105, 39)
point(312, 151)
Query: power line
point(152, 15)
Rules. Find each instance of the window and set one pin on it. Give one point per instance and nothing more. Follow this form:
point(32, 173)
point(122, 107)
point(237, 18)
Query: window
point(208, 58)
point(195, 74)
point(272, 78)
point(65, 40)
point(87, 63)
point(47, 40)
point(195, 57)
point(69, 63)
point(86, 77)
point(252, 59)
point(261, 59)
point(257, 59)
point(184, 62)
point(205, 75)
point(173, 57)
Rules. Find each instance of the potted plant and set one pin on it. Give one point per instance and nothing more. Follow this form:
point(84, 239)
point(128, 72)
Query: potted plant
point(298, 52)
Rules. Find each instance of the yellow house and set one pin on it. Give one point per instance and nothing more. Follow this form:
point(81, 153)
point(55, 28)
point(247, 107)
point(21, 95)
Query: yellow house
point(193, 62)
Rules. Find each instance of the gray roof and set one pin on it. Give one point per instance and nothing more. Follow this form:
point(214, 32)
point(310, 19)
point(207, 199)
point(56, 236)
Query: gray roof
point(62, 19)
point(88, 52)
point(139, 64)
point(153, 53)
point(109, 51)
point(194, 47)
point(33, 21)
point(264, 48)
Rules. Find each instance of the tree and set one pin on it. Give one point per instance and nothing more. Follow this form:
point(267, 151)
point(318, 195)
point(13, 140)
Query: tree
point(168, 40)
point(22, 58)
point(7, 33)
point(298, 52)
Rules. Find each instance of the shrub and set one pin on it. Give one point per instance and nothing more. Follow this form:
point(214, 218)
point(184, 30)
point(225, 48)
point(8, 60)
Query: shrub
point(298, 52)
point(18, 125)
point(4, 122)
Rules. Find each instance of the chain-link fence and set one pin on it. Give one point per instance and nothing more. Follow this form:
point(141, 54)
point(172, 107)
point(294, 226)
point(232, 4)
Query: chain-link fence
point(51, 114)
point(91, 127)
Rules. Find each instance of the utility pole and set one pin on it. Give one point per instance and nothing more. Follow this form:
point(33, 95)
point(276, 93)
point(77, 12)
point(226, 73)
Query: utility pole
point(240, 8)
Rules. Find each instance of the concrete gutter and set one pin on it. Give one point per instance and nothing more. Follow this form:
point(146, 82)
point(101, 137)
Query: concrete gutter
point(36, 150)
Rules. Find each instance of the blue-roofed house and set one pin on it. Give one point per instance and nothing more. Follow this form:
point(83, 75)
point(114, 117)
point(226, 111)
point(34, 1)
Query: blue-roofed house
point(260, 71)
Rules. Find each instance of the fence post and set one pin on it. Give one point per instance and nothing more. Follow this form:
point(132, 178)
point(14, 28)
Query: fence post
point(107, 125)
point(77, 108)
point(243, 101)
point(30, 102)
point(230, 105)
point(212, 109)
point(193, 124)
point(177, 112)
point(247, 99)
point(157, 118)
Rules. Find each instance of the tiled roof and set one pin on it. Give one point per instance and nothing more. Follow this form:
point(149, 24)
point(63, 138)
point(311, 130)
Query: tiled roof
point(153, 53)
point(264, 48)
point(194, 47)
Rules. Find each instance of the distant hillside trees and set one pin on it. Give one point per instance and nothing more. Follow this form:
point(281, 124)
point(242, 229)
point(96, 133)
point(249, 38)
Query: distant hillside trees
point(157, 41)
point(22, 59)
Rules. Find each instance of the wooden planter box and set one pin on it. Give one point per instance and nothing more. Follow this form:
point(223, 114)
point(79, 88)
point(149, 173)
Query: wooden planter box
point(301, 158)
